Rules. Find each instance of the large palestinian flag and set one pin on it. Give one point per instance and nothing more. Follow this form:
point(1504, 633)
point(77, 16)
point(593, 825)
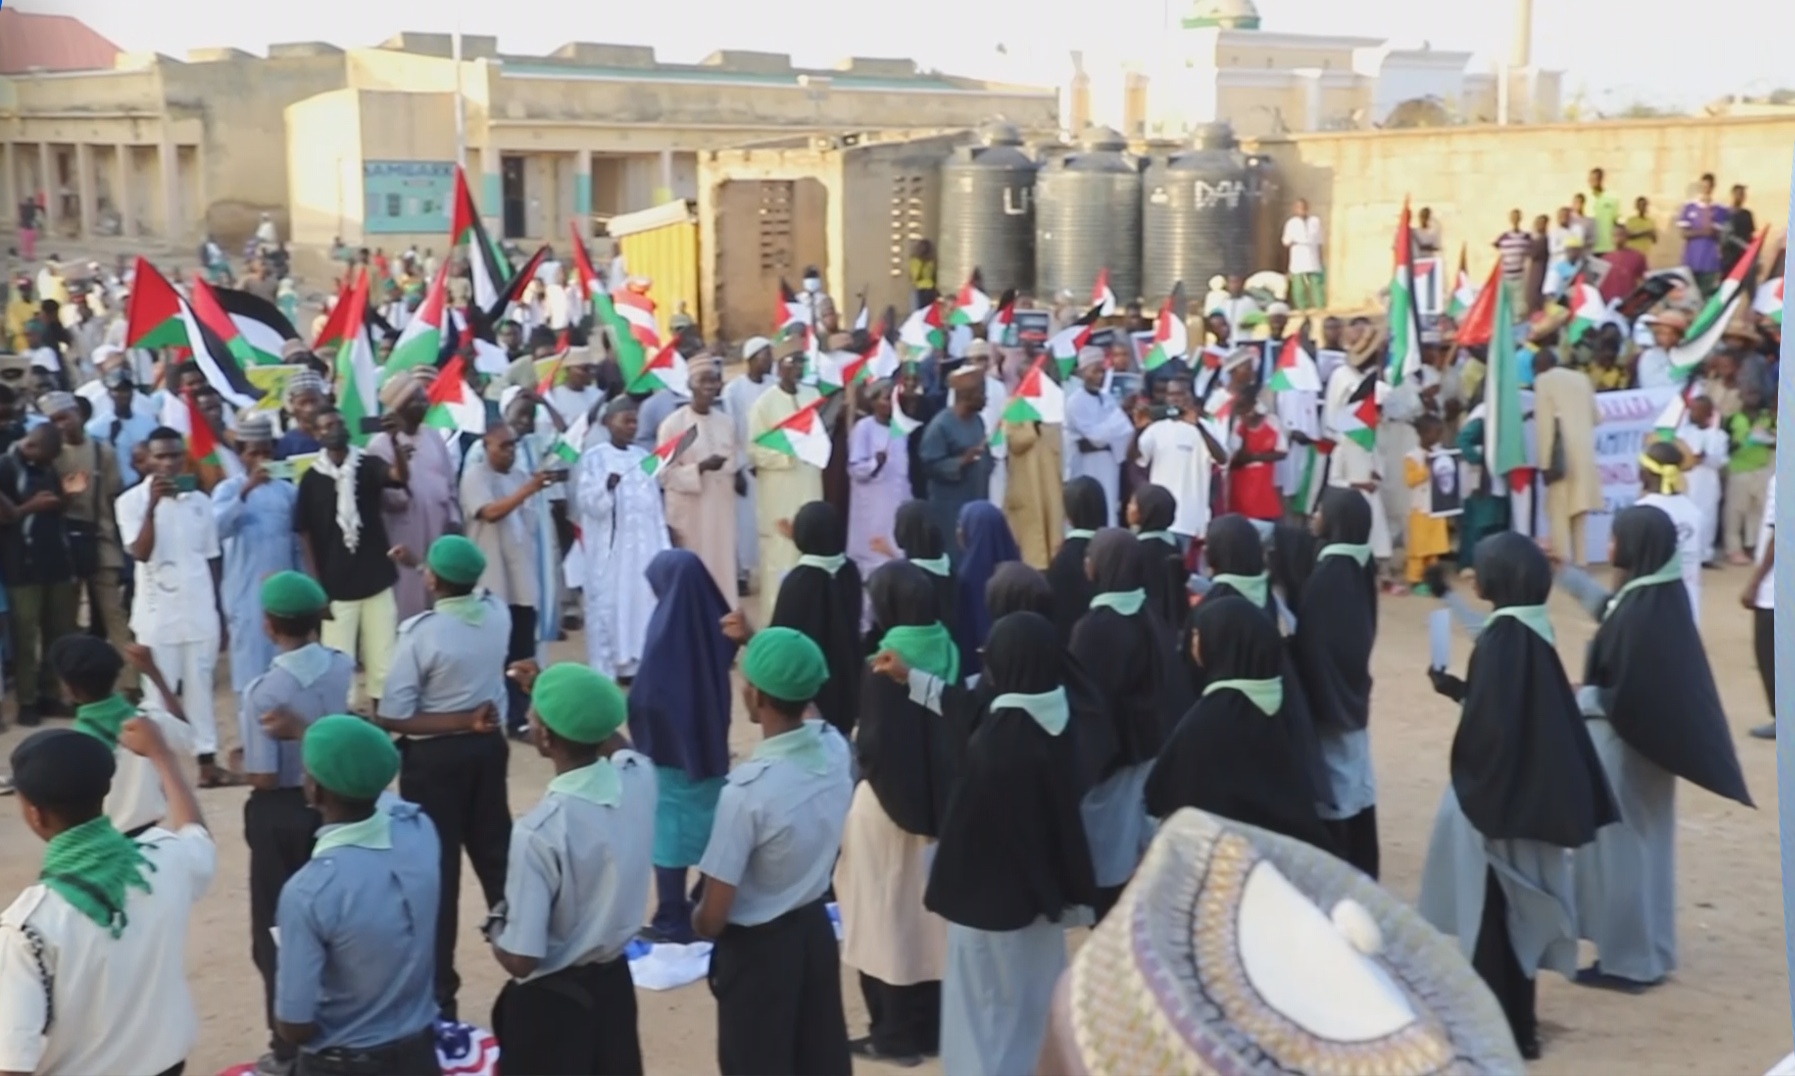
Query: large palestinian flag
point(1405, 311)
point(421, 344)
point(157, 316)
point(258, 322)
point(491, 272)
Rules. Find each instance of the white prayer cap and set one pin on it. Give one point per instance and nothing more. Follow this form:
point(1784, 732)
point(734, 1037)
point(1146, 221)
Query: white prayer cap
point(1278, 308)
point(978, 349)
point(1089, 357)
point(754, 346)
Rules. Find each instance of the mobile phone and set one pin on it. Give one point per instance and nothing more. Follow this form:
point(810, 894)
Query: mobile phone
point(371, 424)
point(186, 483)
point(281, 469)
point(557, 475)
point(1161, 412)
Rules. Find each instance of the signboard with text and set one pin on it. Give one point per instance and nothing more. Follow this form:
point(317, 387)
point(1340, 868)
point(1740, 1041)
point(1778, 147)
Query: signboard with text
point(401, 197)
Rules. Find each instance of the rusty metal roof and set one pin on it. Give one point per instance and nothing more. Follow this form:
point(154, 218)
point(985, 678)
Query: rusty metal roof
point(51, 43)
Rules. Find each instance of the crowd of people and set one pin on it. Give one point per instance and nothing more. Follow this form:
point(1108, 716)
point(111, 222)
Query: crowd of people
point(990, 652)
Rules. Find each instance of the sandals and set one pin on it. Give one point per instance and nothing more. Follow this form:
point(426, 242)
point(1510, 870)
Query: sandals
point(217, 777)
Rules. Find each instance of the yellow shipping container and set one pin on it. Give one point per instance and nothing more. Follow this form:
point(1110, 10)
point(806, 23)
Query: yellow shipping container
point(662, 245)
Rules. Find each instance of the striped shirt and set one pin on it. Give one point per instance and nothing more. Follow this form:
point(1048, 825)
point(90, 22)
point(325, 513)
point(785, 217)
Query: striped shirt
point(1512, 247)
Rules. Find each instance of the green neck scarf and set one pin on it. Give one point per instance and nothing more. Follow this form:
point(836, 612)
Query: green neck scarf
point(91, 866)
point(1050, 709)
point(374, 831)
point(1161, 536)
point(1251, 587)
point(470, 609)
point(1267, 695)
point(1359, 553)
point(1125, 602)
point(926, 648)
point(1534, 616)
point(1671, 571)
point(103, 719)
point(827, 564)
point(1080, 532)
point(940, 566)
point(305, 664)
point(802, 746)
point(598, 783)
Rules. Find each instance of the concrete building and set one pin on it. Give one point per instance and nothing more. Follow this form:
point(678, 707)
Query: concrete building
point(1219, 64)
point(361, 143)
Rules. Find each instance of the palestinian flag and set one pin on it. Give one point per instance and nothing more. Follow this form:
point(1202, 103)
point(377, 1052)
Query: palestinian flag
point(880, 356)
point(590, 283)
point(336, 329)
point(492, 273)
point(839, 369)
point(1769, 301)
point(1676, 409)
point(1718, 310)
point(215, 361)
point(1170, 340)
point(637, 311)
point(1000, 330)
point(454, 406)
point(520, 283)
point(1476, 326)
point(1037, 398)
point(789, 310)
point(665, 454)
point(213, 317)
point(801, 436)
point(1405, 312)
point(1065, 344)
point(1357, 421)
point(1101, 297)
point(358, 375)
point(902, 425)
point(202, 444)
point(153, 311)
point(421, 344)
point(863, 319)
point(921, 332)
point(1295, 370)
point(667, 370)
point(1504, 450)
point(259, 322)
point(971, 305)
point(572, 441)
point(1463, 294)
point(1587, 308)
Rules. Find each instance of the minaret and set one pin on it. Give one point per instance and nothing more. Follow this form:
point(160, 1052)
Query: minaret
point(1520, 50)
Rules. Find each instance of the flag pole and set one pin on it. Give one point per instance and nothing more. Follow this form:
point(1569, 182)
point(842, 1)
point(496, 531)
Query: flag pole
point(460, 101)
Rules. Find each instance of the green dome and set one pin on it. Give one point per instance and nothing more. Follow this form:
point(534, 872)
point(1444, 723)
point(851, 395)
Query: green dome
point(1222, 14)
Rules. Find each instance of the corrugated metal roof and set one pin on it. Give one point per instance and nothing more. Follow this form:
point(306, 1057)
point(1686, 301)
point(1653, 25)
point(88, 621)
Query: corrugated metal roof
point(52, 43)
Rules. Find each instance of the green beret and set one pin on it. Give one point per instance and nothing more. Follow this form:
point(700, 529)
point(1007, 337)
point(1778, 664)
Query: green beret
point(577, 703)
point(456, 561)
point(349, 756)
point(785, 664)
point(290, 594)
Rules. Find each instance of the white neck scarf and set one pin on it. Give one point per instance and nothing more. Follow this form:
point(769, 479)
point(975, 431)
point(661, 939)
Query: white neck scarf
point(348, 512)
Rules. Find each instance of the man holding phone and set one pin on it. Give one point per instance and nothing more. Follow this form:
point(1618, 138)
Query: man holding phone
point(168, 528)
point(256, 509)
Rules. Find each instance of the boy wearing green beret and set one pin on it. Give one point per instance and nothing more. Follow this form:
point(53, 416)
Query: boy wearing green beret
point(776, 969)
point(443, 696)
point(304, 682)
point(575, 888)
point(354, 990)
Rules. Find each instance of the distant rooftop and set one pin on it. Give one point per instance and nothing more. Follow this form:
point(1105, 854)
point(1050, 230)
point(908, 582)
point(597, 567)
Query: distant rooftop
point(30, 41)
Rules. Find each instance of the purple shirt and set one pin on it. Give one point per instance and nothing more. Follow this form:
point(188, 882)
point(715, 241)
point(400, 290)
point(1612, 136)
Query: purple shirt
point(1701, 253)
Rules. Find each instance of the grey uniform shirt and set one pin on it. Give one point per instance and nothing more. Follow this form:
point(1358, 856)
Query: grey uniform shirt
point(778, 830)
point(312, 682)
point(578, 874)
point(442, 664)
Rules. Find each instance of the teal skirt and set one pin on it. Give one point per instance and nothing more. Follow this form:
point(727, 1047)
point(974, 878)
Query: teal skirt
point(683, 812)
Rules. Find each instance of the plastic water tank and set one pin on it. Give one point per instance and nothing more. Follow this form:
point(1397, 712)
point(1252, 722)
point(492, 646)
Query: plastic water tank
point(1198, 214)
point(988, 213)
point(1088, 218)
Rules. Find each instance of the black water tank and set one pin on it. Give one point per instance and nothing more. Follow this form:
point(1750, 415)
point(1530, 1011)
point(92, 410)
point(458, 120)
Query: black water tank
point(1198, 214)
point(988, 213)
point(1088, 218)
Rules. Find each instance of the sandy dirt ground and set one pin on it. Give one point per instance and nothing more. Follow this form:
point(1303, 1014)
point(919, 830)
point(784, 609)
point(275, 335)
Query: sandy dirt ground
point(1726, 1009)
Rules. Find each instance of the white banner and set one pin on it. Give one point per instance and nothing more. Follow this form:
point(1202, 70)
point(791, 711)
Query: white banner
point(1627, 418)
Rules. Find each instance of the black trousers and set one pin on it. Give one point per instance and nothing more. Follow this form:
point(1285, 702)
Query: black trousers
point(902, 1019)
point(778, 991)
point(414, 1055)
point(1355, 839)
point(1763, 644)
point(520, 647)
point(580, 1021)
point(279, 829)
point(459, 782)
point(1493, 958)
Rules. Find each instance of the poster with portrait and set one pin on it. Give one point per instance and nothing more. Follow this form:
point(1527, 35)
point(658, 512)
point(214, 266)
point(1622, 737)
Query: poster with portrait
point(1445, 496)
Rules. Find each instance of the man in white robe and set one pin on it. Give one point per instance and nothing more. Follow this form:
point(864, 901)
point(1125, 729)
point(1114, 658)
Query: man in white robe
point(738, 400)
point(1352, 466)
point(621, 530)
point(1097, 431)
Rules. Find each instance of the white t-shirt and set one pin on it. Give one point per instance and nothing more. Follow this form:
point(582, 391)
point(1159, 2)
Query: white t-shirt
point(1767, 535)
point(135, 799)
point(1303, 235)
point(175, 601)
point(1177, 459)
point(1653, 369)
point(1688, 519)
point(120, 1005)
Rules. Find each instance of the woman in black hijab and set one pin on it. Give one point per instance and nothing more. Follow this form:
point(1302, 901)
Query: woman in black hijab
point(1336, 625)
point(821, 598)
point(1127, 651)
point(1526, 786)
point(1240, 752)
point(1150, 513)
point(1086, 513)
point(1654, 715)
point(908, 758)
point(922, 544)
point(1013, 859)
point(1236, 557)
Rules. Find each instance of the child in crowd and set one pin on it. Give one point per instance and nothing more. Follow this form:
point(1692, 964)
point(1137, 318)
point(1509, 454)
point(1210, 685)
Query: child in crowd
point(1705, 441)
point(1428, 539)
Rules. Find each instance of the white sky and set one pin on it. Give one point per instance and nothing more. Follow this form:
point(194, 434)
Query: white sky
point(1617, 58)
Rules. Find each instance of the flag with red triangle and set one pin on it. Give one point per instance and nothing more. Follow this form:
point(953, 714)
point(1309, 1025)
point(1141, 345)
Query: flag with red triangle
point(491, 273)
point(1170, 338)
point(1038, 398)
point(1101, 297)
point(667, 370)
point(1357, 420)
point(1477, 326)
point(213, 317)
point(358, 375)
point(454, 407)
point(788, 309)
point(1705, 332)
point(1295, 370)
point(1404, 355)
point(1001, 329)
point(1588, 311)
point(667, 453)
point(153, 311)
point(1065, 344)
point(922, 333)
point(801, 435)
point(971, 305)
point(202, 444)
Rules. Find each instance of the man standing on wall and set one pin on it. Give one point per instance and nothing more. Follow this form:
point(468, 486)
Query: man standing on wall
point(1303, 238)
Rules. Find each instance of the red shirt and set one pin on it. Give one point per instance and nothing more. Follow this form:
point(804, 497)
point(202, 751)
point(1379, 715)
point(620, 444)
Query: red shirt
point(1252, 488)
point(1626, 267)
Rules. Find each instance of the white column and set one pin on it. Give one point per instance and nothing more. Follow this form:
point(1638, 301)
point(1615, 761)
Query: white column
point(86, 190)
point(10, 194)
point(124, 189)
point(173, 227)
point(664, 192)
point(46, 182)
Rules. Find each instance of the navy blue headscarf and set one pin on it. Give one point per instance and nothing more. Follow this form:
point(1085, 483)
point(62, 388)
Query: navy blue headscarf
point(679, 701)
point(985, 542)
